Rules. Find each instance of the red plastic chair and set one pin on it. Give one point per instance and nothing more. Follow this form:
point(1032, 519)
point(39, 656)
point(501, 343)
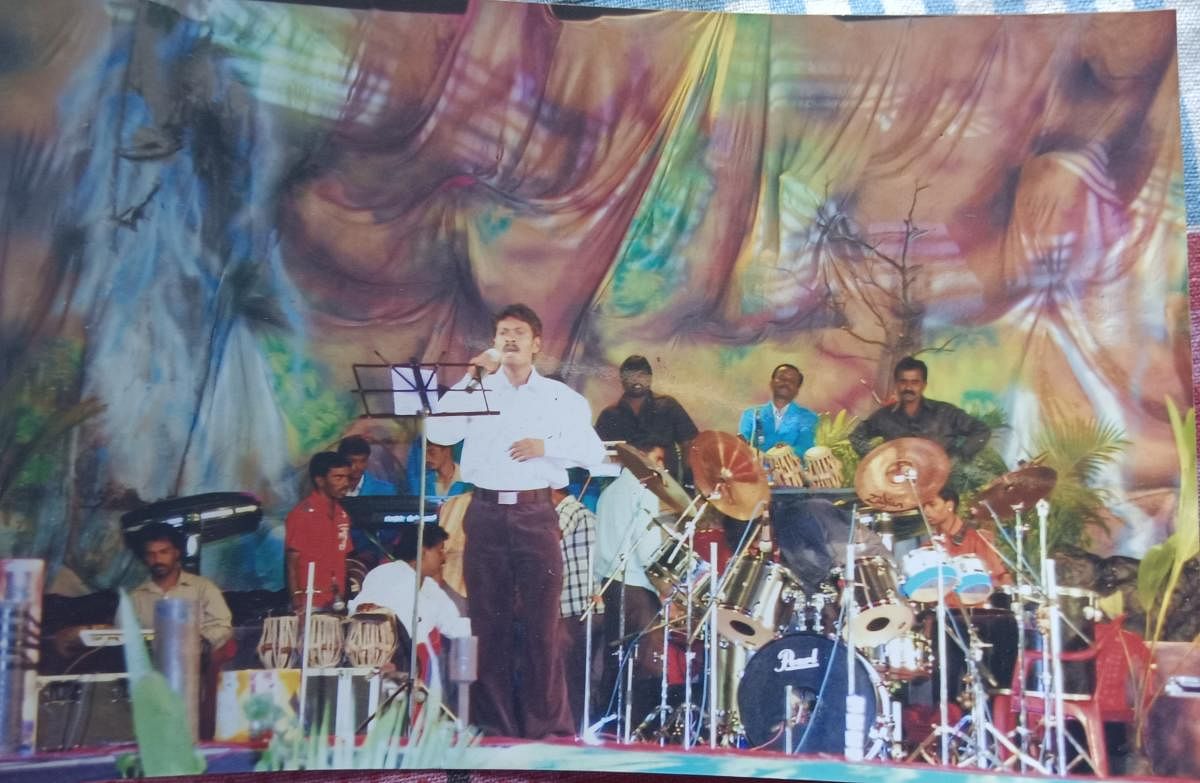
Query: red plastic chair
point(1121, 658)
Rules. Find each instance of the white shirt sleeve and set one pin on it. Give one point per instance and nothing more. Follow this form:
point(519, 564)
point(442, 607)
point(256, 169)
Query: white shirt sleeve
point(574, 443)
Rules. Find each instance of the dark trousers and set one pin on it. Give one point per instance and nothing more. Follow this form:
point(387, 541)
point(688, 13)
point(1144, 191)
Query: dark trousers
point(513, 569)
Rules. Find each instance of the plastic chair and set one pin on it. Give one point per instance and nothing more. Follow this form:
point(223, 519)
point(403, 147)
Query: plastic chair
point(1120, 656)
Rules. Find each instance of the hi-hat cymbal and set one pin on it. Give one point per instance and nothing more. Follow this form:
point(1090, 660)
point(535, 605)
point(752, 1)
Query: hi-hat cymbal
point(883, 476)
point(1021, 488)
point(654, 478)
point(728, 474)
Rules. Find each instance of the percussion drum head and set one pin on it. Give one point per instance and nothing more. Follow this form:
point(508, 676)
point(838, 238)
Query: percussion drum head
point(818, 702)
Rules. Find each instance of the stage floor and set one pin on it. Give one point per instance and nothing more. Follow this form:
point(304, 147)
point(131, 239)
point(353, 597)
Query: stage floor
point(492, 761)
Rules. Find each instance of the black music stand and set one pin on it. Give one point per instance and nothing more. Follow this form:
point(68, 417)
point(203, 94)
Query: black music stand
point(411, 390)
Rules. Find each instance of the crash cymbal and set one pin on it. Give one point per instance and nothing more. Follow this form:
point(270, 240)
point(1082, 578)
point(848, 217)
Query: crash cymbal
point(728, 474)
point(882, 478)
point(654, 478)
point(1022, 488)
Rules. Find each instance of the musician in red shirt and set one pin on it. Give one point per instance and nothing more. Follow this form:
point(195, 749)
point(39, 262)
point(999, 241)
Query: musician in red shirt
point(317, 530)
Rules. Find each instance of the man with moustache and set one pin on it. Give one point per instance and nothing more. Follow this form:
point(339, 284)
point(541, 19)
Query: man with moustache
point(641, 416)
point(914, 415)
point(513, 562)
point(161, 549)
point(317, 530)
point(781, 420)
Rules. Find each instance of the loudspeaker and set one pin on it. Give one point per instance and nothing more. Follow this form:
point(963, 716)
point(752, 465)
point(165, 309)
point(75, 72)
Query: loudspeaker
point(83, 710)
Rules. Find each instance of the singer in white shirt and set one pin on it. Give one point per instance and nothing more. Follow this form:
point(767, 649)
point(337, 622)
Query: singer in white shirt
point(513, 564)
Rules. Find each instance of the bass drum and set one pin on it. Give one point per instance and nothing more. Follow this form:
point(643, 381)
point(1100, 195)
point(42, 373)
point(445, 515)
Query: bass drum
point(818, 716)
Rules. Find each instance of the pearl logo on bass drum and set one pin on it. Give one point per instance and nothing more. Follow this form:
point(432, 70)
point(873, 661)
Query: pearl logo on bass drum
point(788, 662)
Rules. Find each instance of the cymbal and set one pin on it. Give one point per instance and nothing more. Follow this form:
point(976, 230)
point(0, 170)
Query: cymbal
point(728, 474)
point(654, 478)
point(882, 478)
point(1022, 487)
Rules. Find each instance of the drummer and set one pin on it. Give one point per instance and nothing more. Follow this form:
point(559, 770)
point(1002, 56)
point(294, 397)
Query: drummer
point(623, 514)
point(958, 538)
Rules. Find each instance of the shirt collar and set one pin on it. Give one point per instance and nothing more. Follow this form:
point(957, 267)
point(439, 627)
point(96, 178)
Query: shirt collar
point(535, 379)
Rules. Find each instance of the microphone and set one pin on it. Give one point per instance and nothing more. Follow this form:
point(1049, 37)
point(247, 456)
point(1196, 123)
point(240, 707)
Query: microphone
point(477, 381)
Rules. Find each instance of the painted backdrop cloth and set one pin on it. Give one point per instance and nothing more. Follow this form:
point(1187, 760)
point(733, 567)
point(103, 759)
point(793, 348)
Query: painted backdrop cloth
point(213, 209)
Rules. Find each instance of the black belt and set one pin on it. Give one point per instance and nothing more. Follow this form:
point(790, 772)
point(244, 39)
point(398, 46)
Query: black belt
point(516, 497)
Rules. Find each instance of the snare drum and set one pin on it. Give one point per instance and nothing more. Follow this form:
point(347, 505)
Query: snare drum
point(974, 584)
point(921, 567)
point(757, 601)
point(278, 642)
point(907, 657)
point(371, 639)
point(881, 613)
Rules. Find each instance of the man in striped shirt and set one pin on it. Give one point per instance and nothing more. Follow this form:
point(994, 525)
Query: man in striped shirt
point(578, 527)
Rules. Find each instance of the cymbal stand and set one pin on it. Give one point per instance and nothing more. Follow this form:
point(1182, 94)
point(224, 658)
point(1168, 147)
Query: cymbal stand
point(688, 655)
point(855, 705)
point(663, 708)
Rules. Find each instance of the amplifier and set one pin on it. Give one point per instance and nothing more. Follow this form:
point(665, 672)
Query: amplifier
point(83, 710)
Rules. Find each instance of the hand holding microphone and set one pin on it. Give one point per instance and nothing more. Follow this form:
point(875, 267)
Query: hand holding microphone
point(485, 363)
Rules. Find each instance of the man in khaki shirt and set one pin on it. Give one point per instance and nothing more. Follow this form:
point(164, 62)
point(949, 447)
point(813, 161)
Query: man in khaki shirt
point(162, 551)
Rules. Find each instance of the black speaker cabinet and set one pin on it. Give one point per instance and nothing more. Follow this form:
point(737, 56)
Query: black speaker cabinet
point(83, 710)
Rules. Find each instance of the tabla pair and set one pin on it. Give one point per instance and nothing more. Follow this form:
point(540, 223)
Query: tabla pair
point(368, 640)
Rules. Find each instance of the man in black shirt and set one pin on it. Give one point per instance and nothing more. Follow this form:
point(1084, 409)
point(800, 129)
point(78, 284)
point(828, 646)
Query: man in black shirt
point(912, 415)
point(641, 416)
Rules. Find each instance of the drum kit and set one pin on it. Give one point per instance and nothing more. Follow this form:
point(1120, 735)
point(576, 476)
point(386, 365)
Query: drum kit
point(828, 671)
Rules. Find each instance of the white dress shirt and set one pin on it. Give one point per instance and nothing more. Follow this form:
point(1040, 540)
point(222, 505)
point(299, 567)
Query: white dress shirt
point(391, 586)
point(539, 408)
point(623, 511)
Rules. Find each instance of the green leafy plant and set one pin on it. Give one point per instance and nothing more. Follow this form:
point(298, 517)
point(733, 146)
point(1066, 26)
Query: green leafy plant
point(435, 740)
point(833, 432)
point(1079, 450)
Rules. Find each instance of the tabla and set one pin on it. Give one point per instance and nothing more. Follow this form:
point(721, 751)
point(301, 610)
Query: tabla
point(757, 601)
point(277, 643)
point(325, 648)
point(817, 709)
point(371, 639)
point(881, 613)
point(783, 466)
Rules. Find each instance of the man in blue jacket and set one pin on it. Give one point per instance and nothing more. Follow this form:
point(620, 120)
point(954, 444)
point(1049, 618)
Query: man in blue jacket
point(781, 420)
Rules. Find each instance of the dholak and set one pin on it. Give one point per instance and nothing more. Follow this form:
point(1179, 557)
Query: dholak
point(670, 568)
point(757, 601)
point(801, 660)
point(921, 567)
point(907, 657)
point(881, 613)
point(278, 642)
point(371, 639)
point(974, 584)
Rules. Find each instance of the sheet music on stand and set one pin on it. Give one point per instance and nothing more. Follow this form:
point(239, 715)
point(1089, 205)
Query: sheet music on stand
point(411, 390)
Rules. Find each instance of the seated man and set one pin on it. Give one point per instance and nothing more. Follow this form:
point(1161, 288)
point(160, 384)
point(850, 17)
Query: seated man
point(443, 477)
point(960, 539)
point(781, 420)
point(357, 451)
point(624, 510)
point(391, 586)
point(161, 549)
